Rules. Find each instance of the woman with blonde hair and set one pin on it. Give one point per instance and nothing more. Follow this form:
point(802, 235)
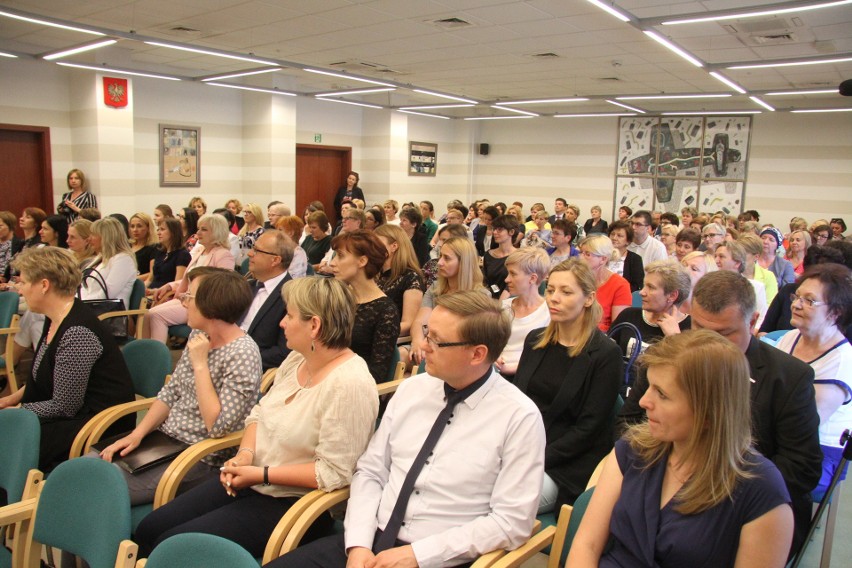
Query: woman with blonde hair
point(690, 472)
point(572, 372)
point(458, 270)
point(697, 264)
point(800, 241)
point(391, 208)
point(292, 226)
point(115, 264)
point(143, 242)
point(668, 236)
point(251, 230)
point(78, 242)
point(401, 278)
point(215, 252)
point(235, 207)
point(527, 269)
point(199, 205)
point(613, 290)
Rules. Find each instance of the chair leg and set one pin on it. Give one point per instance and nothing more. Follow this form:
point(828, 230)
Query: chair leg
point(828, 540)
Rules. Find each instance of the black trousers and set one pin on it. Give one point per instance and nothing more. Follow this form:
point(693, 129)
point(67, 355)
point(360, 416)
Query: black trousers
point(247, 519)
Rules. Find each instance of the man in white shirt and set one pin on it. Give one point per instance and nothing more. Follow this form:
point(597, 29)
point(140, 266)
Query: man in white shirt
point(269, 260)
point(479, 485)
point(646, 246)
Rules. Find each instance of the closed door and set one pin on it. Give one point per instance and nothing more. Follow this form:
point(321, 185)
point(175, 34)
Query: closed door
point(320, 170)
point(25, 161)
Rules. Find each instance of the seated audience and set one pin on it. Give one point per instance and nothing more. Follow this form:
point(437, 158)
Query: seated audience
point(401, 279)
point(753, 271)
point(668, 236)
point(447, 231)
point(481, 463)
point(712, 235)
point(213, 236)
point(732, 256)
point(214, 385)
point(690, 471)
point(292, 226)
point(526, 270)
point(644, 244)
point(391, 208)
point(821, 310)
point(359, 258)
point(115, 263)
point(687, 240)
point(189, 223)
point(483, 234)
point(595, 224)
point(143, 243)
point(199, 205)
point(251, 229)
point(318, 241)
point(30, 224)
point(503, 231)
point(170, 257)
point(838, 227)
point(78, 242)
point(306, 433)
point(784, 413)
point(628, 265)
point(563, 235)
point(572, 372)
point(800, 241)
point(8, 241)
point(54, 231)
point(771, 260)
point(539, 234)
point(161, 211)
point(613, 291)
point(236, 208)
point(410, 221)
point(373, 217)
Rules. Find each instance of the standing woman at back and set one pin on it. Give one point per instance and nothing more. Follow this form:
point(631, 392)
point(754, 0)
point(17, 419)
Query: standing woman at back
point(346, 193)
point(77, 197)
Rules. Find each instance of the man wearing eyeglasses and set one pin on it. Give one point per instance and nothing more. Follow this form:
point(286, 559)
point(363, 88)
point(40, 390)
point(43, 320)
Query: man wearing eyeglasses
point(455, 468)
point(646, 246)
point(269, 260)
point(783, 405)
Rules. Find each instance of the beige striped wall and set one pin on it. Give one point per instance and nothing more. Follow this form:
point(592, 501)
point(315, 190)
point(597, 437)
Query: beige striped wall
point(800, 164)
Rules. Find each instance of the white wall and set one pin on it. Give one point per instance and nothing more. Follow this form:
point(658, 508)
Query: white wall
point(800, 164)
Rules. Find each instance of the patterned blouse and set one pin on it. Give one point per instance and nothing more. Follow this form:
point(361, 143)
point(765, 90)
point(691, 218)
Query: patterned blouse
point(85, 200)
point(235, 370)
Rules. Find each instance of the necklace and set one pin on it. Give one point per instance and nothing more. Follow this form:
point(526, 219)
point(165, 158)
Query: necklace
point(311, 375)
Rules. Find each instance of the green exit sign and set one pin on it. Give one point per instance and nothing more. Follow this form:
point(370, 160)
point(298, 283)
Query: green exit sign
point(317, 138)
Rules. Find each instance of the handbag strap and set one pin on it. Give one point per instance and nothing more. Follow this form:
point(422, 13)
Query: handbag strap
point(637, 348)
point(92, 273)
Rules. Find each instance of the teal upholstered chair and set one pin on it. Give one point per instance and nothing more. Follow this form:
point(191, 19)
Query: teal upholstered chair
point(196, 550)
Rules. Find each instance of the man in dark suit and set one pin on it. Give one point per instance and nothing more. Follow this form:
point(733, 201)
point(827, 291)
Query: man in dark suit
point(559, 208)
point(269, 260)
point(783, 407)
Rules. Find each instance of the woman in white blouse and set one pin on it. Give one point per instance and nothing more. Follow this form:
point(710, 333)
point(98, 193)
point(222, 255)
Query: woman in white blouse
point(306, 433)
point(115, 262)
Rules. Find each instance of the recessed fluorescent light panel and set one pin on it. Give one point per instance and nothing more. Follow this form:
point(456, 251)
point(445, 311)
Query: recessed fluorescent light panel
point(792, 93)
point(710, 112)
point(348, 102)
point(728, 82)
point(209, 52)
point(79, 49)
point(344, 76)
point(496, 117)
point(544, 101)
point(48, 23)
point(757, 13)
point(661, 97)
point(356, 92)
point(628, 107)
point(255, 89)
point(672, 47)
point(450, 97)
point(4, 54)
point(243, 74)
point(791, 63)
point(610, 9)
point(516, 111)
point(593, 114)
point(118, 71)
point(763, 104)
point(423, 114)
point(824, 110)
point(435, 107)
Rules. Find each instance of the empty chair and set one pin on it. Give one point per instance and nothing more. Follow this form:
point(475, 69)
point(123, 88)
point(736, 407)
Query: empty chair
point(149, 361)
point(196, 550)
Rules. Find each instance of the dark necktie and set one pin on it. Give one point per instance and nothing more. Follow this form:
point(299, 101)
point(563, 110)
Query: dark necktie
point(388, 537)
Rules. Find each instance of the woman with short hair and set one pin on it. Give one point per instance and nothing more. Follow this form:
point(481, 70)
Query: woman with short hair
point(292, 226)
point(686, 487)
point(572, 372)
point(595, 224)
point(359, 258)
point(215, 251)
point(30, 223)
point(214, 385)
point(78, 369)
point(199, 205)
point(628, 265)
point(318, 241)
point(503, 229)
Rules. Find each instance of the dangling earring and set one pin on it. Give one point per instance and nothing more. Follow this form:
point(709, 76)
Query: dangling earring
point(313, 345)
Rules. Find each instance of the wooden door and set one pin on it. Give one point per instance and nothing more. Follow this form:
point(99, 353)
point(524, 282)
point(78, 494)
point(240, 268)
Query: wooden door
point(320, 170)
point(25, 159)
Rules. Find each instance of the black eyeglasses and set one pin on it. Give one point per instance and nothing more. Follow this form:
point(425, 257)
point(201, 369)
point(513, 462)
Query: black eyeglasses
point(434, 344)
point(255, 249)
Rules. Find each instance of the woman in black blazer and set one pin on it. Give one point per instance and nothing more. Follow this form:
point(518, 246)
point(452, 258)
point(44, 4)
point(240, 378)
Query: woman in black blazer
point(346, 193)
point(572, 372)
point(630, 266)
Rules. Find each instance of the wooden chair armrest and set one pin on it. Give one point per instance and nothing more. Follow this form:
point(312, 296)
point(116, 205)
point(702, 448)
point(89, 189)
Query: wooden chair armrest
point(276, 539)
point(390, 386)
point(180, 466)
point(17, 512)
point(267, 380)
point(120, 313)
point(94, 429)
point(126, 555)
point(319, 506)
point(533, 546)
point(405, 339)
point(141, 563)
point(488, 560)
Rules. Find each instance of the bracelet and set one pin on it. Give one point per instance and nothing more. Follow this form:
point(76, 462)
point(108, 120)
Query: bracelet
point(249, 450)
point(266, 475)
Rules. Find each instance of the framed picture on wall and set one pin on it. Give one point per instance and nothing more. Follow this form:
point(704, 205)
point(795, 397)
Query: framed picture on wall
point(423, 159)
point(180, 163)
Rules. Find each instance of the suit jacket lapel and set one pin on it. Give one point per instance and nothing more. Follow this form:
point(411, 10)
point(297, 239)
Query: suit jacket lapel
point(270, 301)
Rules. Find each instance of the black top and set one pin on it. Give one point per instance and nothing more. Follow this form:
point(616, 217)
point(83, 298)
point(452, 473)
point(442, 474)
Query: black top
point(144, 256)
point(421, 247)
point(166, 263)
point(494, 273)
point(75, 376)
point(590, 227)
point(316, 249)
point(344, 195)
point(396, 290)
point(634, 270)
point(479, 240)
point(374, 335)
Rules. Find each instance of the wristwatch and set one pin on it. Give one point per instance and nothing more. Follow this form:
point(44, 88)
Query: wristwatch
point(266, 475)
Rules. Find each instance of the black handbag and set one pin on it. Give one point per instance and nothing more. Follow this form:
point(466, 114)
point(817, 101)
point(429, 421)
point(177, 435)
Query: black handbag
point(117, 326)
